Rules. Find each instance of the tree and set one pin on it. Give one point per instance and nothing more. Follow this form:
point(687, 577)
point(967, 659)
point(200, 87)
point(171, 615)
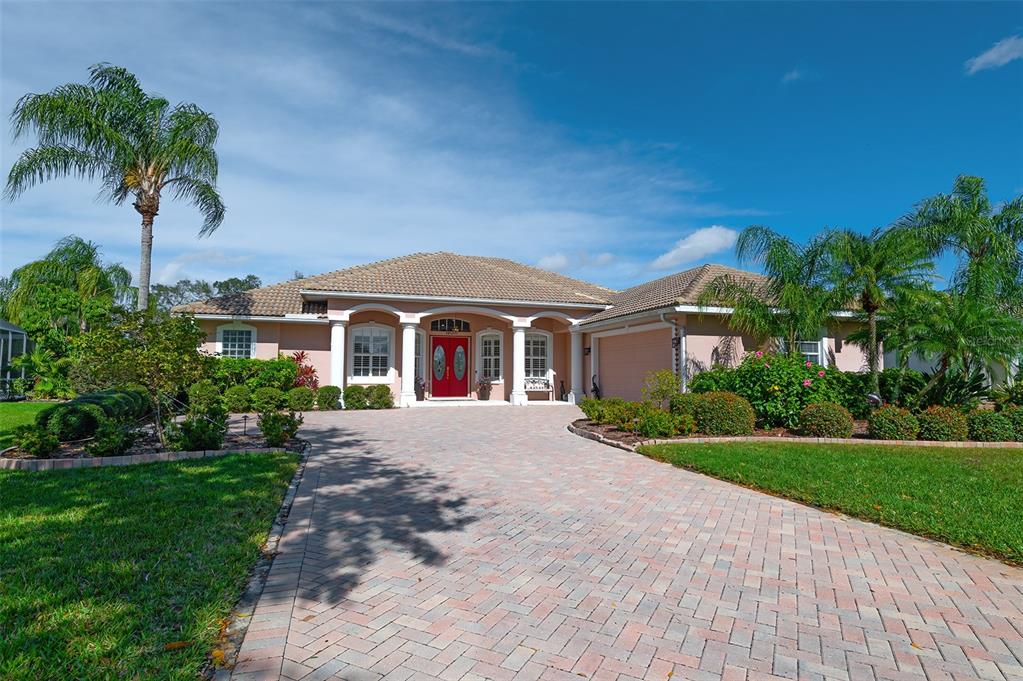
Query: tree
point(874, 268)
point(137, 144)
point(794, 304)
point(155, 351)
point(166, 296)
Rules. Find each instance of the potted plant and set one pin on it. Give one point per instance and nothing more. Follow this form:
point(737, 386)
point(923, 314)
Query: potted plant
point(420, 389)
point(483, 386)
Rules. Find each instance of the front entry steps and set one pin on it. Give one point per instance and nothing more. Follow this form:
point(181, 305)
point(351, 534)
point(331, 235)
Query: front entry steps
point(469, 402)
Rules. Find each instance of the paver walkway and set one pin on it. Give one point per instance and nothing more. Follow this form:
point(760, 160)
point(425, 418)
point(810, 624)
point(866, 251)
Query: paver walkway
point(489, 543)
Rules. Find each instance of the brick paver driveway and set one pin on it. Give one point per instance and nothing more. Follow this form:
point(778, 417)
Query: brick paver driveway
point(489, 543)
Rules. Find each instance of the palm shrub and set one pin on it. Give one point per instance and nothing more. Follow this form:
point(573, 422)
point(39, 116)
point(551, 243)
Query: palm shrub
point(267, 399)
point(722, 413)
point(355, 397)
point(826, 419)
point(328, 397)
point(990, 426)
point(963, 390)
point(301, 398)
point(237, 399)
point(893, 423)
point(1010, 392)
point(943, 424)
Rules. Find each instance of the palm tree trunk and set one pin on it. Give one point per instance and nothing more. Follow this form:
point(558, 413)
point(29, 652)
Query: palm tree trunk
point(146, 260)
point(872, 362)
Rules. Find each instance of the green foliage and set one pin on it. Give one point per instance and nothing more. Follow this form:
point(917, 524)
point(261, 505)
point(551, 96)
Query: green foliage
point(328, 397)
point(197, 433)
point(379, 397)
point(237, 399)
point(683, 424)
point(355, 397)
point(893, 423)
point(943, 424)
point(267, 399)
point(826, 419)
point(277, 373)
point(301, 398)
point(112, 438)
point(683, 404)
point(661, 385)
point(990, 426)
point(591, 408)
point(620, 414)
point(73, 420)
point(166, 296)
point(1010, 392)
point(1014, 413)
point(47, 366)
point(716, 379)
point(954, 388)
point(35, 440)
point(655, 422)
point(204, 398)
point(279, 427)
point(900, 386)
point(723, 413)
point(853, 388)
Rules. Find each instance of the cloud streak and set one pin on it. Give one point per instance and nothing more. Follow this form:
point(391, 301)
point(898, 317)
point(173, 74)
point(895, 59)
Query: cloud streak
point(1001, 53)
point(696, 246)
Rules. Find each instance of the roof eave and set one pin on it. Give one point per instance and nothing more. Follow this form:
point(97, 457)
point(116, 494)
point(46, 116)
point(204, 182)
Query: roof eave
point(359, 295)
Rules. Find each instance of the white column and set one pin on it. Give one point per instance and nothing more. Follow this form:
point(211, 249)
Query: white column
point(577, 367)
point(337, 354)
point(518, 393)
point(408, 364)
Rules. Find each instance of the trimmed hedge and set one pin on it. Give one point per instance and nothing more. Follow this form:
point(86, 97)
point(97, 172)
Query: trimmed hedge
point(943, 424)
point(238, 399)
point(990, 426)
point(355, 397)
point(1015, 415)
point(368, 397)
point(267, 399)
point(724, 413)
point(893, 423)
point(826, 419)
point(328, 397)
point(204, 397)
point(79, 418)
point(301, 398)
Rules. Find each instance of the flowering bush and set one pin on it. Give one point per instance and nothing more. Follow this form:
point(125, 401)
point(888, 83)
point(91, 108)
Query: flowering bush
point(826, 419)
point(717, 379)
point(724, 413)
point(893, 423)
point(943, 424)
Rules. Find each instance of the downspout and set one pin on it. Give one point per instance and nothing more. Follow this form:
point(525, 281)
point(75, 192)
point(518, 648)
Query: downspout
point(678, 355)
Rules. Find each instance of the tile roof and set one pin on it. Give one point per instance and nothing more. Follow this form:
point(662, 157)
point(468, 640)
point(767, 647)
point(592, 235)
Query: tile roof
point(682, 288)
point(441, 275)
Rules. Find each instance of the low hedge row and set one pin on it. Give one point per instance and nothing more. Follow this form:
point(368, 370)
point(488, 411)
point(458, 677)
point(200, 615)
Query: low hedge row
point(79, 418)
point(712, 413)
point(368, 397)
point(945, 424)
point(240, 399)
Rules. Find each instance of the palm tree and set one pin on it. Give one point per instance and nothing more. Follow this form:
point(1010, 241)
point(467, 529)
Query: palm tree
point(794, 304)
point(873, 268)
point(137, 144)
point(988, 243)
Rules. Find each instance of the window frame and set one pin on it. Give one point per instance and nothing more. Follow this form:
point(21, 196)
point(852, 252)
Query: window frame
point(820, 343)
point(548, 359)
point(235, 326)
point(420, 357)
point(387, 378)
point(480, 335)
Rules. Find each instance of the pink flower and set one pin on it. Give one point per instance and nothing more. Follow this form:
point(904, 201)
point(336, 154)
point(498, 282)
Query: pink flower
point(759, 353)
point(820, 374)
point(807, 383)
point(809, 363)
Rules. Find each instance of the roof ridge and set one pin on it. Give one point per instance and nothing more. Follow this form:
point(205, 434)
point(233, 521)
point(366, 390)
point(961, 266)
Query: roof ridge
point(495, 260)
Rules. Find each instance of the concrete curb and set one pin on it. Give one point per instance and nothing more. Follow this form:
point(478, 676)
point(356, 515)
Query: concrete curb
point(129, 460)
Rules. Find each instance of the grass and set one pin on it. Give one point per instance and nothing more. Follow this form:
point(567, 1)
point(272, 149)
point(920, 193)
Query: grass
point(14, 414)
point(966, 497)
point(127, 572)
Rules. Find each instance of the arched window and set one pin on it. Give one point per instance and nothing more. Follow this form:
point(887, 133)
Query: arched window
point(371, 353)
point(490, 355)
point(236, 340)
point(447, 324)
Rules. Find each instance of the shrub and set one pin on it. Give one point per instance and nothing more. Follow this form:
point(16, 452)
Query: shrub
point(1010, 392)
point(853, 388)
point(267, 399)
point(660, 386)
point(957, 389)
point(35, 440)
point(990, 426)
point(279, 427)
point(279, 373)
point(355, 397)
point(826, 419)
point(893, 423)
point(238, 399)
point(301, 398)
point(621, 414)
point(900, 386)
point(655, 422)
point(73, 420)
point(112, 438)
point(683, 424)
point(197, 433)
point(379, 397)
point(80, 417)
point(328, 397)
point(683, 404)
point(1014, 413)
point(724, 413)
point(305, 374)
point(717, 379)
point(591, 408)
point(204, 397)
point(943, 424)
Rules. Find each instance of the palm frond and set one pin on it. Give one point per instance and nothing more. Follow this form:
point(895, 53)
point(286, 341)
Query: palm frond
point(203, 196)
point(37, 165)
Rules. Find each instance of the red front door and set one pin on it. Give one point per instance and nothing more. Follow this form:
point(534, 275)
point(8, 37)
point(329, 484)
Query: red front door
point(449, 366)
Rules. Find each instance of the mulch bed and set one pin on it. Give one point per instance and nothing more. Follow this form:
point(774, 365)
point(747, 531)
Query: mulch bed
point(613, 433)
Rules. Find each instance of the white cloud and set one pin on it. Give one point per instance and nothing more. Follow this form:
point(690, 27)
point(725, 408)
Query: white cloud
point(697, 245)
point(792, 76)
point(999, 54)
point(554, 262)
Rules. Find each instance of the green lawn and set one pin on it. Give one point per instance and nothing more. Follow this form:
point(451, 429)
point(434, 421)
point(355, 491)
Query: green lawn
point(14, 414)
point(968, 497)
point(127, 572)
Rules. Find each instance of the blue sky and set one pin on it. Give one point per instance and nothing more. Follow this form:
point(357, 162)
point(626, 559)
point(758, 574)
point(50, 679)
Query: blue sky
point(614, 142)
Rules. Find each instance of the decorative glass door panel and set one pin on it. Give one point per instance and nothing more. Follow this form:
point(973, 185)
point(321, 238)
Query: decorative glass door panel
point(450, 371)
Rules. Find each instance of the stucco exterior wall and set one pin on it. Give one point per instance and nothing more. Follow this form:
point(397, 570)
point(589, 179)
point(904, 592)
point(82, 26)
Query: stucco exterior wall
point(845, 355)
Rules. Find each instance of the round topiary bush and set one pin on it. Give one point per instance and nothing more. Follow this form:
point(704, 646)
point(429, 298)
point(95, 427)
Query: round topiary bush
point(204, 397)
point(301, 398)
point(893, 423)
point(1015, 415)
point(355, 397)
point(990, 426)
point(723, 413)
point(328, 397)
point(943, 424)
point(683, 403)
point(267, 399)
point(379, 397)
point(826, 419)
point(73, 420)
point(238, 399)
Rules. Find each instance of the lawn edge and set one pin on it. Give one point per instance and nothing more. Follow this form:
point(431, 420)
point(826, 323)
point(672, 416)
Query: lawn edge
point(240, 617)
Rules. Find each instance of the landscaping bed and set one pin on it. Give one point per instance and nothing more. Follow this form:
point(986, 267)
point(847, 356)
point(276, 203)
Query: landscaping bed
point(965, 496)
point(129, 572)
point(14, 414)
point(612, 432)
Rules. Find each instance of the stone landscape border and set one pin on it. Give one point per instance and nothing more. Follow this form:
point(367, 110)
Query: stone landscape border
point(126, 460)
point(590, 435)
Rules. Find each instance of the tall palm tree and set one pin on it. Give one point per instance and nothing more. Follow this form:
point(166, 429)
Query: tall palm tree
point(137, 144)
point(873, 268)
point(796, 302)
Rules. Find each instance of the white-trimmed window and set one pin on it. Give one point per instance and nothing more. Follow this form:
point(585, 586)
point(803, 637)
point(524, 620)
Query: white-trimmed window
point(809, 350)
point(538, 354)
point(490, 355)
point(420, 362)
point(372, 353)
point(236, 340)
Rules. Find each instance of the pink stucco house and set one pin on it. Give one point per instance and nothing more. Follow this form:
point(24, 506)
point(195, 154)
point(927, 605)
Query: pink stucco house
point(446, 323)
